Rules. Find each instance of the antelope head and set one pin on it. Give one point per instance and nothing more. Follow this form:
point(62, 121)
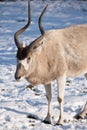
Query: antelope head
point(26, 61)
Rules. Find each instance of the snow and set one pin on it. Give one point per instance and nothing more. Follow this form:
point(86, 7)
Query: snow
point(17, 101)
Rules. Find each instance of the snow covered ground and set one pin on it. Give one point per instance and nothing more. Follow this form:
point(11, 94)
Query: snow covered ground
point(16, 100)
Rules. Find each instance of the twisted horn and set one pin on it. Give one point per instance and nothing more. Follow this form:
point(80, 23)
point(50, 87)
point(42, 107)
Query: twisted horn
point(16, 35)
point(40, 19)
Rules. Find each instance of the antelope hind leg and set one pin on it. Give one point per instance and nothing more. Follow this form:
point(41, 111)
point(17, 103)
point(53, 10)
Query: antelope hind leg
point(61, 84)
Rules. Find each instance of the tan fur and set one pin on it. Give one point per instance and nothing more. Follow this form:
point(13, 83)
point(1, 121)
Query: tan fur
point(63, 51)
point(55, 55)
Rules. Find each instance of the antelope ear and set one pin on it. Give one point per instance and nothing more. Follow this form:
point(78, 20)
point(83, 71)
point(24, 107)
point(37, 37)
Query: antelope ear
point(38, 48)
point(23, 45)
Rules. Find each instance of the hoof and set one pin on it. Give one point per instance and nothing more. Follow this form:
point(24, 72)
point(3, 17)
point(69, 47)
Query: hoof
point(78, 117)
point(46, 122)
point(61, 122)
point(48, 119)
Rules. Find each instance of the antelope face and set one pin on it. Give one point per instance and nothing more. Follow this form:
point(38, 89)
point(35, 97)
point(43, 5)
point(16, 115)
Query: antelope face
point(27, 58)
point(26, 61)
point(22, 63)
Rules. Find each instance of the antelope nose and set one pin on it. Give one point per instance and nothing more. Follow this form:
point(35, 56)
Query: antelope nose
point(17, 77)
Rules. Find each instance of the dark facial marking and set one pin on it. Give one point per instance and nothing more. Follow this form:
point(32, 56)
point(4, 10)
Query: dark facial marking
point(22, 53)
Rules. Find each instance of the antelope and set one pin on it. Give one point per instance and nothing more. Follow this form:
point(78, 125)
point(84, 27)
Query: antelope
point(82, 114)
point(55, 55)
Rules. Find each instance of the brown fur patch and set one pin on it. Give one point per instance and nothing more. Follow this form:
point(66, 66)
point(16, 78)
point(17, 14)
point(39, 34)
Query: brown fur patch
point(59, 99)
point(22, 53)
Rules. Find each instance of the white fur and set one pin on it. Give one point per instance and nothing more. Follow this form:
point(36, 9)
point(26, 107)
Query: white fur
point(50, 114)
point(23, 44)
point(61, 84)
point(24, 63)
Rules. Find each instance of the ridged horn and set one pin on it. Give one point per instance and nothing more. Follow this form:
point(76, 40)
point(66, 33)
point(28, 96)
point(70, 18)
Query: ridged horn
point(16, 35)
point(40, 20)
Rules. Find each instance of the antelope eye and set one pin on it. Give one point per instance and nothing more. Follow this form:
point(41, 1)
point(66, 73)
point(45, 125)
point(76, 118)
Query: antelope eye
point(28, 59)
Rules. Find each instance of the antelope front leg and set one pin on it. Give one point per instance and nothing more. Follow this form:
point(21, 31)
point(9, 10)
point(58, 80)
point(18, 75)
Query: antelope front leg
point(61, 84)
point(50, 115)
